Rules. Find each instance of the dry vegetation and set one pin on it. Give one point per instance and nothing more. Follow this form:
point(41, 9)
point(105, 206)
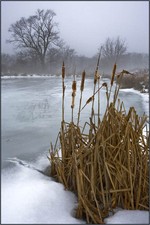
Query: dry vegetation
point(108, 166)
point(138, 81)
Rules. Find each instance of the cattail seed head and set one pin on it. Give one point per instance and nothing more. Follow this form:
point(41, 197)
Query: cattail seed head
point(113, 74)
point(73, 93)
point(82, 81)
point(63, 70)
point(74, 86)
point(96, 77)
point(90, 99)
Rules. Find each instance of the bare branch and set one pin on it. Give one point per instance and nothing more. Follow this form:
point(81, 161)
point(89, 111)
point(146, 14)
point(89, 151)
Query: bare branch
point(112, 49)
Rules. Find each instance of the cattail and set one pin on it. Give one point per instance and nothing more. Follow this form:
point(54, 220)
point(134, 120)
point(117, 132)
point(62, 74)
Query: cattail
point(82, 81)
point(63, 70)
point(81, 89)
point(63, 89)
point(113, 74)
point(89, 100)
point(74, 86)
point(97, 76)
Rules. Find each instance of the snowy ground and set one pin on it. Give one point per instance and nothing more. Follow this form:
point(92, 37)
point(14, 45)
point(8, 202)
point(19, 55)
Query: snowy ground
point(29, 107)
point(29, 197)
point(128, 217)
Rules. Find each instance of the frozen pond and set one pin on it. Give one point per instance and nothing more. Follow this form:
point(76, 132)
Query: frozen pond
point(31, 112)
point(30, 120)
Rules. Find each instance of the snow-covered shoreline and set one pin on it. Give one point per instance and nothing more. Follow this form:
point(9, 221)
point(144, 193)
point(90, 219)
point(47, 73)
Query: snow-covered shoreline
point(28, 76)
point(123, 216)
point(145, 97)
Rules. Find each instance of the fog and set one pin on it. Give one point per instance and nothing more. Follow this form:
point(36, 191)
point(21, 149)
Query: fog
point(85, 25)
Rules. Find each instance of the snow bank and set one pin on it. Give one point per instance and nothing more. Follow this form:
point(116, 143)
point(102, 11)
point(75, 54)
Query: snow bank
point(28, 197)
point(145, 97)
point(129, 217)
point(28, 76)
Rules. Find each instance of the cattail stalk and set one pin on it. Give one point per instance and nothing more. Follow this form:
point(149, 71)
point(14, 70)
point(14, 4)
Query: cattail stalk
point(87, 102)
point(118, 83)
point(95, 82)
point(112, 81)
point(113, 74)
point(98, 101)
point(63, 90)
point(81, 89)
point(63, 97)
point(92, 97)
point(96, 77)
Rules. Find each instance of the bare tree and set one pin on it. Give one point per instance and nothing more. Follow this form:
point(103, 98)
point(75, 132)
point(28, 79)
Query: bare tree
point(37, 33)
point(113, 49)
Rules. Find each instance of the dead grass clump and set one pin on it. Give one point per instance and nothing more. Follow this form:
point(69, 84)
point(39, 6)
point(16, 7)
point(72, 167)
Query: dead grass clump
point(107, 167)
point(137, 81)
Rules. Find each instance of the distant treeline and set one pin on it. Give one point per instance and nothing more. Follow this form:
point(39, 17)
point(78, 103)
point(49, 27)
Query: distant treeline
point(25, 63)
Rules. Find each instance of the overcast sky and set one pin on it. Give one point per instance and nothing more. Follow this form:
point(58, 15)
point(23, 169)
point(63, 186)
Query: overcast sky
point(85, 25)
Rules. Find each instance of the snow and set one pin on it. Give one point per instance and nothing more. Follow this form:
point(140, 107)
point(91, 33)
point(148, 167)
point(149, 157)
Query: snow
point(28, 76)
point(145, 97)
point(129, 217)
point(29, 197)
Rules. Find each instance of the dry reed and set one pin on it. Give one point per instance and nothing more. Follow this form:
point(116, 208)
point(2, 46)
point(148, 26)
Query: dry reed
point(108, 167)
point(81, 89)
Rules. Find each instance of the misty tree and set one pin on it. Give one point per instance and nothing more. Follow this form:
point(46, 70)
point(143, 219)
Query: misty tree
point(68, 55)
point(38, 33)
point(64, 53)
point(7, 62)
point(56, 56)
point(27, 61)
point(112, 49)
